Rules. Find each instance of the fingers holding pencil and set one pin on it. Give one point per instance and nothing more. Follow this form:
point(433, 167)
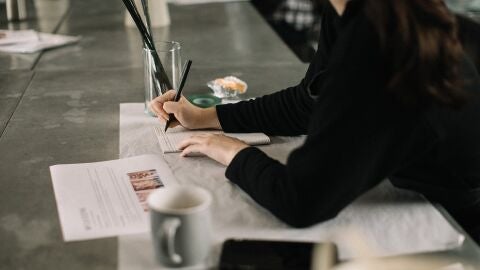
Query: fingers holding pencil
point(186, 114)
point(156, 105)
point(173, 108)
point(178, 95)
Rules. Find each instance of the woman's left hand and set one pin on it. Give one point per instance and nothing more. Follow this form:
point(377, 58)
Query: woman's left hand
point(218, 147)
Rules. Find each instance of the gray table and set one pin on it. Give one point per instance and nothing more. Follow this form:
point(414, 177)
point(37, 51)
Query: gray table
point(62, 107)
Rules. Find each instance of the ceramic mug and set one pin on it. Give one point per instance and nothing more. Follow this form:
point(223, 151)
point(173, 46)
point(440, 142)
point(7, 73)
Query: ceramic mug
point(180, 225)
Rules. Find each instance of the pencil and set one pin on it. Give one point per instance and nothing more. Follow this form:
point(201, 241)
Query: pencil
point(178, 95)
point(159, 73)
point(147, 17)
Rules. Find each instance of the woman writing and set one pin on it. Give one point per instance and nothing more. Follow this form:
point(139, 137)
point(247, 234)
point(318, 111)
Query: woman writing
point(389, 94)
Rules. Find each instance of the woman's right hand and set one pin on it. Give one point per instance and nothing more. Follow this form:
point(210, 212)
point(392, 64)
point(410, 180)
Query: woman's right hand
point(187, 114)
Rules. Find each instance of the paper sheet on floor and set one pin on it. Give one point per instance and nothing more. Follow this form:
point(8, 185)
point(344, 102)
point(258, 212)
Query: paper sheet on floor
point(30, 41)
point(20, 36)
point(391, 221)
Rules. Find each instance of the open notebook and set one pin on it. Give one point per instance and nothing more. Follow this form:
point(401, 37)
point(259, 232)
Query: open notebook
point(171, 139)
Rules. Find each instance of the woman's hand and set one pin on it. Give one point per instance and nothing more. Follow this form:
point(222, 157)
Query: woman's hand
point(187, 115)
point(218, 147)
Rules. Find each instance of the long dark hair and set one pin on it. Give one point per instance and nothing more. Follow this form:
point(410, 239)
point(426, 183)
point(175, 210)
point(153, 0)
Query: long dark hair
point(422, 50)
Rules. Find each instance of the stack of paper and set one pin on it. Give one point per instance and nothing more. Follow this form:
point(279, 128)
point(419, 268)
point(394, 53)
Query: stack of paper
point(30, 41)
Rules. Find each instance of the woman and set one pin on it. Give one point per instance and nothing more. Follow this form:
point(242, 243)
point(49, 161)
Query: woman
point(389, 94)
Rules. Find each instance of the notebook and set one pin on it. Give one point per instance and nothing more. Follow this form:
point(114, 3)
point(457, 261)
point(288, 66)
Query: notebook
point(171, 139)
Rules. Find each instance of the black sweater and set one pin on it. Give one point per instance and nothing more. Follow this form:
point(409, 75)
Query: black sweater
point(358, 134)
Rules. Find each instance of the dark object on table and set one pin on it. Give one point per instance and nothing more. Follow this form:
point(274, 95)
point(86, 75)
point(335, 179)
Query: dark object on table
point(266, 255)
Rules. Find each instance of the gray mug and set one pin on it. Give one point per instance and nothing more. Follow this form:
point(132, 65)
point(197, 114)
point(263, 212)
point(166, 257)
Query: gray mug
point(180, 225)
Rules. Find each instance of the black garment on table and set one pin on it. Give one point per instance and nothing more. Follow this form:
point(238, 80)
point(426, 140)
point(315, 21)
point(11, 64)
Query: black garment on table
point(358, 135)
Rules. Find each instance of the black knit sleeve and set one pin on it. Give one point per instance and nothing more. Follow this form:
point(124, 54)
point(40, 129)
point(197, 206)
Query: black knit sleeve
point(285, 113)
point(336, 164)
point(357, 136)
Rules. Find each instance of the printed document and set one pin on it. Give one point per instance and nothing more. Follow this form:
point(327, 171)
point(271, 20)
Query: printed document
point(108, 198)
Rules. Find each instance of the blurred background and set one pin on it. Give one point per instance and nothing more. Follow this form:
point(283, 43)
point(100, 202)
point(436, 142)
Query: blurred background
point(298, 23)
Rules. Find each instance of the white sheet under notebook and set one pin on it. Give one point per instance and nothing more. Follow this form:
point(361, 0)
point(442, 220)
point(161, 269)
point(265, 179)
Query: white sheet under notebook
point(171, 139)
point(392, 221)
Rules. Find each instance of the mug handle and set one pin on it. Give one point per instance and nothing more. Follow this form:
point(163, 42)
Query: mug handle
point(167, 239)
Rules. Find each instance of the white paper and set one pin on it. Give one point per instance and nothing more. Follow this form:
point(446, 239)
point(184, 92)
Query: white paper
point(196, 2)
point(170, 140)
point(11, 36)
point(389, 220)
point(42, 41)
point(108, 198)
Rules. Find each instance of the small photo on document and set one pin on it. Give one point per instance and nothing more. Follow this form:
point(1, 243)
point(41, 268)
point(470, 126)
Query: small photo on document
point(144, 183)
point(142, 175)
